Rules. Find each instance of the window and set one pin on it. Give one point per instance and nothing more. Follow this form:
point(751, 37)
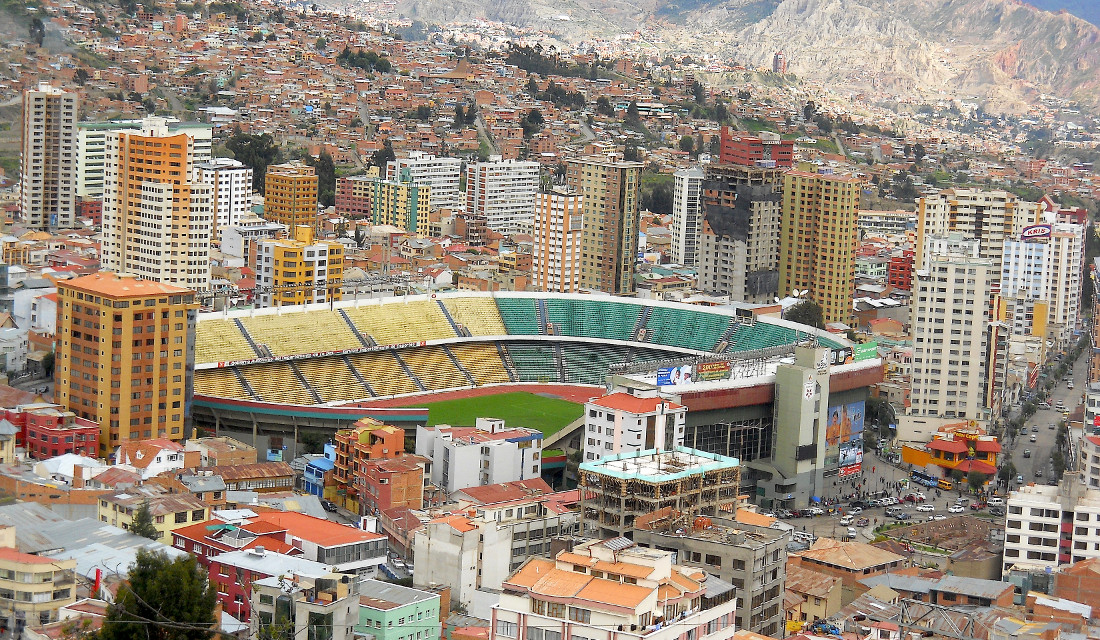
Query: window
point(507, 629)
point(576, 614)
point(181, 517)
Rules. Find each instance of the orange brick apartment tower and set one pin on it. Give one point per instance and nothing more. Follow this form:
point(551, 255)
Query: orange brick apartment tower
point(125, 356)
point(290, 195)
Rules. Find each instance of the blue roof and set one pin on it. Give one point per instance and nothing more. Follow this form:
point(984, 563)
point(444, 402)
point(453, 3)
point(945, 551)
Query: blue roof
point(323, 464)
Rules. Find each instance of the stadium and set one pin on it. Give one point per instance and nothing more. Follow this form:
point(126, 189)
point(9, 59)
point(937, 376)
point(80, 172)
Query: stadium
point(273, 373)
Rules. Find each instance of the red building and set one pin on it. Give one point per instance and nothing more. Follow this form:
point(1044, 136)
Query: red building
point(368, 440)
point(900, 269)
point(398, 482)
point(739, 148)
point(47, 430)
point(354, 197)
point(90, 209)
point(234, 572)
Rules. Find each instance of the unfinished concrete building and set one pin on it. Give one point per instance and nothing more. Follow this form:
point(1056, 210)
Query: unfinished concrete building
point(619, 488)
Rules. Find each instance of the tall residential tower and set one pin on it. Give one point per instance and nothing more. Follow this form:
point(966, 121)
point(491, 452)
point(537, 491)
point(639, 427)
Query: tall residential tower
point(609, 240)
point(48, 174)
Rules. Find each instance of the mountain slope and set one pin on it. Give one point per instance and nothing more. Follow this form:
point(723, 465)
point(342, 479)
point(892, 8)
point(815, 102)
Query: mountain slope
point(1001, 52)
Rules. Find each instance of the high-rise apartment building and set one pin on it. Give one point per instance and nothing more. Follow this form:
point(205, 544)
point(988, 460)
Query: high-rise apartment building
point(353, 196)
point(556, 259)
point(298, 271)
point(1041, 280)
point(949, 322)
point(49, 168)
point(990, 217)
point(687, 191)
point(157, 221)
point(609, 239)
point(401, 203)
point(441, 174)
point(739, 239)
point(92, 149)
point(623, 423)
point(125, 356)
point(818, 239)
point(1050, 526)
point(503, 192)
point(232, 196)
point(290, 195)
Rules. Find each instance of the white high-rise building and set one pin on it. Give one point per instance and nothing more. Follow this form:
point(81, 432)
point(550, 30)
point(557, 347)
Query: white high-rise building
point(503, 192)
point(687, 208)
point(48, 173)
point(1041, 280)
point(622, 423)
point(232, 182)
point(555, 263)
point(950, 318)
point(157, 222)
point(441, 174)
point(92, 149)
point(1050, 526)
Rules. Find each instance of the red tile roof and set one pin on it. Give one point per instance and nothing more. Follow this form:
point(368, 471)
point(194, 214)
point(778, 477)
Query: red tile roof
point(953, 446)
point(633, 404)
point(116, 286)
point(515, 490)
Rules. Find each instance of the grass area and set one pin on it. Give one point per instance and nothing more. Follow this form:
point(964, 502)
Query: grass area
point(548, 415)
point(827, 145)
point(754, 125)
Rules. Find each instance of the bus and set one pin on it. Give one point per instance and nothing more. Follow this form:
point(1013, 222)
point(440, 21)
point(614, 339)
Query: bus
point(945, 484)
point(924, 479)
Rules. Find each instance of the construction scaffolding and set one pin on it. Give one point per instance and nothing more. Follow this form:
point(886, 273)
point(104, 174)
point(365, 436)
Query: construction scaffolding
point(618, 489)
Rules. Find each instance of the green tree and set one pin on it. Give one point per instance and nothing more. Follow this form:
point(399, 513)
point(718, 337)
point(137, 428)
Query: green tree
point(326, 178)
point(1007, 472)
point(164, 599)
point(321, 43)
point(687, 144)
point(603, 106)
point(632, 114)
point(383, 155)
point(630, 153)
point(80, 76)
point(806, 312)
point(142, 524)
point(256, 151)
point(38, 31)
point(976, 480)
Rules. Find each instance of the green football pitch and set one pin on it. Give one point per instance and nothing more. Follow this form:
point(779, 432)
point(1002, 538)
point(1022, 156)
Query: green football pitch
point(519, 409)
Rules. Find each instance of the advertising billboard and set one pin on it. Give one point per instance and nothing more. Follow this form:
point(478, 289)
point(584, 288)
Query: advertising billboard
point(672, 376)
point(850, 470)
point(866, 351)
point(843, 355)
point(844, 434)
point(719, 370)
point(1036, 232)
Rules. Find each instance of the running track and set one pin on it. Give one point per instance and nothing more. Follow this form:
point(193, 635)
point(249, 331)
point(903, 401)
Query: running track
point(571, 392)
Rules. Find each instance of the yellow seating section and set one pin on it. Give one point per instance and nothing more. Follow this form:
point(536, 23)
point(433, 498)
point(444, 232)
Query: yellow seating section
point(220, 341)
point(296, 333)
point(401, 322)
point(482, 361)
point(332, 379)
point(222, 383)
point(479, 315)
point(433, 368)
point(276, 382)
point(383, 373)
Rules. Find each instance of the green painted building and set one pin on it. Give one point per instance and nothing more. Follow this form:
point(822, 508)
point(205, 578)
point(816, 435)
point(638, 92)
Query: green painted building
point(393, 612)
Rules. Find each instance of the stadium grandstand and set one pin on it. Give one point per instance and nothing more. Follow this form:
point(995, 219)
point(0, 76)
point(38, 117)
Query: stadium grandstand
point(350, 352)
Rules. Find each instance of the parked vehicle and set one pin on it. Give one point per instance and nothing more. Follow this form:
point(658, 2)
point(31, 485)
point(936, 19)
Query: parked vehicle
point(926, 508)
point(862, 522)
point(1019, 478)
point(903, 516)
point(956, 508)
point(855, 511)
point(997, 511)
point(995, 501)
point(328, 505)
point(846, 520)
point(1027, 453)
point(815, 511)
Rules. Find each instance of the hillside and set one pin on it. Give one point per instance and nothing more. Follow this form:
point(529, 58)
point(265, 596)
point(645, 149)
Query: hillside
point(999, 52)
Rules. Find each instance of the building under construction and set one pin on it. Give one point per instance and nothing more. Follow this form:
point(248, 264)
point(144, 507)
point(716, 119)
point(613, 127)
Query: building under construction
point(619, 488)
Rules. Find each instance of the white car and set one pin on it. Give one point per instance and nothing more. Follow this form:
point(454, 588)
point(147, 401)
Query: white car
point(855, 511)
point(925, 507)
point(938, 517)
point(955, 508)
point(891, 500)
point(846, 520)
point(814, 511)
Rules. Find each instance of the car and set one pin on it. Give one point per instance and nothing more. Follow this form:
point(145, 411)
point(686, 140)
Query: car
point(855, 511)
point(815, 511)
point(903, 516)
point(846, 520)
point(920, 496)
point(1044, 405)
point(1069, 385)
point(1033, 438)
point(329, 506)
point(852, 533)
point(1019, 478)
point(1038, 473)
point(956, 508)
point(977, 505)
point(938, 516)
point(784, 513)
point(997, 511)
point(1051, 426)
point(862, 522)
point(963, 501)
point(1027, 453)
point(1034, 429)
point(859, 504)
point(891, 501)
point(995, 501)
point(925, 508)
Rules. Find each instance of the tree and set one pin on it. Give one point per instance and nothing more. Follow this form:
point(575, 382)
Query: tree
point(630, 153)
point(632, 114)
point(806, 312)
point(326, 178)
point(321, 43)
point(383, 155)
point(976, 480)
point(460, 117)
point(809, 110)
point(603, 106)
point(38, 31)
point(81, 76)
point(687, 144)
point(918, 152)
point(1007, 472)
point(256, 151)
point(142, 524)
point(957, 475)
point(165, 599)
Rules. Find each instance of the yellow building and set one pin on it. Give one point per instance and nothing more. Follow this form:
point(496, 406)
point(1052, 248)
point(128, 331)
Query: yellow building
point(400, 203)
point(299, 271)
point(125, 353)
point(170, 511)
point(290, 195)
point(32, 587)
point(609, 238)
point(821, 593)
point(818, 239)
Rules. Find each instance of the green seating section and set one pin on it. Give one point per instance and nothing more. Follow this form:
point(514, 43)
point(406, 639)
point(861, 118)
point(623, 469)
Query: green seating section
point(519, 315)
point(687, 328)
point(593, 318)
point(760, 335)
point(533, 362)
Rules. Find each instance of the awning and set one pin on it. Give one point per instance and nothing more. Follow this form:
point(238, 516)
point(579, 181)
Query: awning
point(966, 466)
point(815, 498)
